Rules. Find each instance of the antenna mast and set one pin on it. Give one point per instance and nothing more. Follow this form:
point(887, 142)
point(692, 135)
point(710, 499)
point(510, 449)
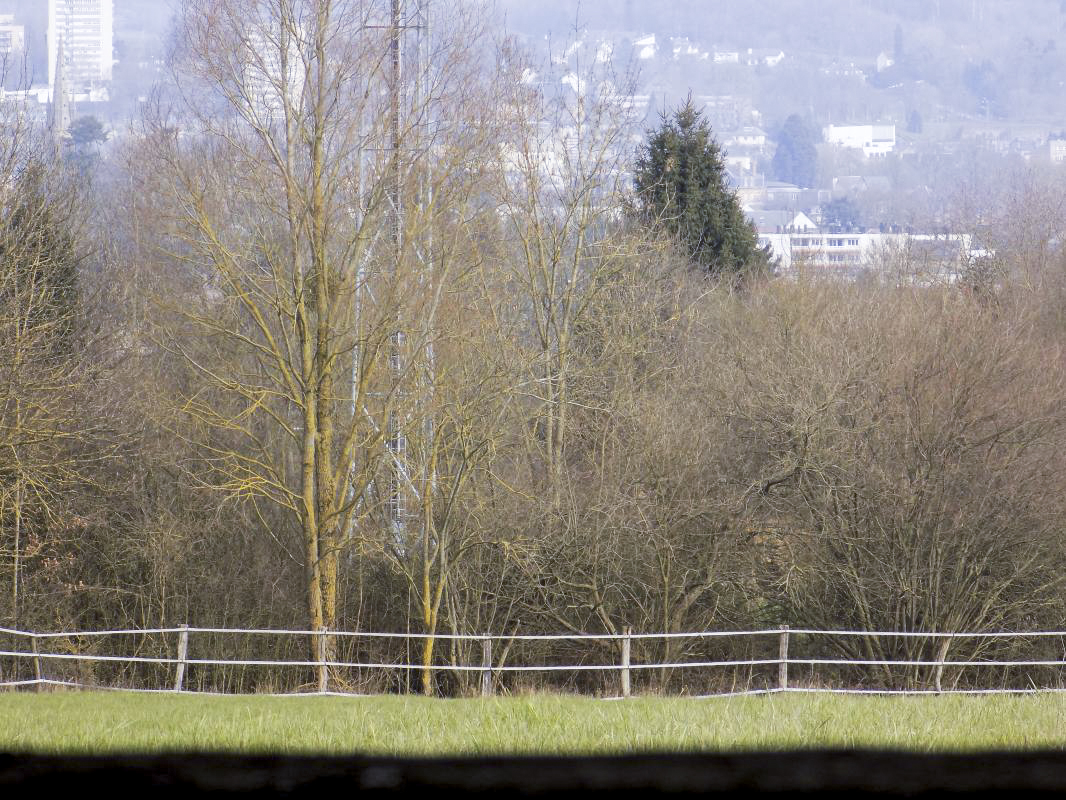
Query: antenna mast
point(407, 92)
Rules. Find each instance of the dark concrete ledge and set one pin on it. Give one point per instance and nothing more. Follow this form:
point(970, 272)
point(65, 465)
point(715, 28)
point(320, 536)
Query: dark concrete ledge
point(839, 773)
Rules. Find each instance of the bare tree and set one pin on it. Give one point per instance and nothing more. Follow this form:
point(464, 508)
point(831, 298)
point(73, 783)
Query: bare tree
point(312, 206)
point(910, 447)
point(561, 191)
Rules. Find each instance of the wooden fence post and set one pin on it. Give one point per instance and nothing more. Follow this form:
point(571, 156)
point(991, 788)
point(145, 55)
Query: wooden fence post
point(323, 670)
point(782, 660)
point(942, 653)
point(36, 661)
point(486, 667)
point(625, 660)
point(183, 652)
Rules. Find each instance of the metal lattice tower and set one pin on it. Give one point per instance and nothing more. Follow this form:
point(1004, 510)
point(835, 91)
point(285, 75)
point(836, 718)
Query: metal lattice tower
point(408, 34)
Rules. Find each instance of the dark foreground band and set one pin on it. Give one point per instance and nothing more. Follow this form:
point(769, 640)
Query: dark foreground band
point(839, 773)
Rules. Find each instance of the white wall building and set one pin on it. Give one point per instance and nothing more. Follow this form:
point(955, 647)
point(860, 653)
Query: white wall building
point(873, 140)
point(270, 79)
point(646, 47)
point(748, 137)
point(911, 258)
point(86, 28)
point(12, 36)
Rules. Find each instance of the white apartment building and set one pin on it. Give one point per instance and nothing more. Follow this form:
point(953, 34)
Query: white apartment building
point(269, 79)
point(86, 28)
point(873, 140)
point(12, 36)
point(924, 258)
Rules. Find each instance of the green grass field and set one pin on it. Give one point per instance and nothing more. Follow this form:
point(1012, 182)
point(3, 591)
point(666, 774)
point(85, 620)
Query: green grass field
point(109, 722)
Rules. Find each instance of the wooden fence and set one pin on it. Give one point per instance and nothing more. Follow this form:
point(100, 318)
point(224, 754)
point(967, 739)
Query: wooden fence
point(767, 661)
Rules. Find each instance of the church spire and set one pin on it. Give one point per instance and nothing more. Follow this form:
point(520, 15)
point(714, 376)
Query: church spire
point(59, 114)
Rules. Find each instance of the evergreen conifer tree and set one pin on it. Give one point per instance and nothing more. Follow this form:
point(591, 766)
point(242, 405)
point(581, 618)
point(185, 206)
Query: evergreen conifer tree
point(796, 158)
point(680, 181)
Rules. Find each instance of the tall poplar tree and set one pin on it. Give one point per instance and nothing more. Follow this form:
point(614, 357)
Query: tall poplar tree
point(680, 180)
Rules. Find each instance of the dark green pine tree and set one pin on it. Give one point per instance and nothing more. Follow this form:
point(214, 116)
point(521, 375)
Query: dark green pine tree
point(680, 184)
point(796, 158)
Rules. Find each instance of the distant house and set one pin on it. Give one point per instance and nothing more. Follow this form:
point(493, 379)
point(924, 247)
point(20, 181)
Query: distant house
point(873, 140)
point(767, 58)
point(726, 57)
point(741, 164)
point(767, 222)
point(747, 138)
point(784, 195)
point(728, 112)
point(646, 47)
point(749, 187)
point(1057, 150)
point(683, 46)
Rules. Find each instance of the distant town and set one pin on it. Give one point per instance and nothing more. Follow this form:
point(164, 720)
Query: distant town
point(862, 160)
point(105, 56)
point(841, 162)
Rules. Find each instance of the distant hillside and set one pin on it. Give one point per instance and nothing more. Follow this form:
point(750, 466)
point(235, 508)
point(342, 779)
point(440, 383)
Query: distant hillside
point(841, 27)
point(992, 59)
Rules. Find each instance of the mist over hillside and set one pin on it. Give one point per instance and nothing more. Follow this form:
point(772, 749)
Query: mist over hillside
point(843, 27)
point(844, 61)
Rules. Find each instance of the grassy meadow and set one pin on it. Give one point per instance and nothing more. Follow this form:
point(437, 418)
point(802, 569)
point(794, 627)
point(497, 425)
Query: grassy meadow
point(73, 722)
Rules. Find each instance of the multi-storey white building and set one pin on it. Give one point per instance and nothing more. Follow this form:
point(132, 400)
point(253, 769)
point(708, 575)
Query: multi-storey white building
point(1057, 150)
point(913, 257)
point(12, 36)
point(86, 28)
point(269, 79)
point(873, 140)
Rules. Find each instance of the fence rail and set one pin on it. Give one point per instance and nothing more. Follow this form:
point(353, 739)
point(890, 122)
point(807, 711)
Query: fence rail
point(778, 660)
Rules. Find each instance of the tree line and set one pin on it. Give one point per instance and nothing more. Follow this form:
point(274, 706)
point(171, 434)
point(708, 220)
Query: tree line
point(314, 350)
